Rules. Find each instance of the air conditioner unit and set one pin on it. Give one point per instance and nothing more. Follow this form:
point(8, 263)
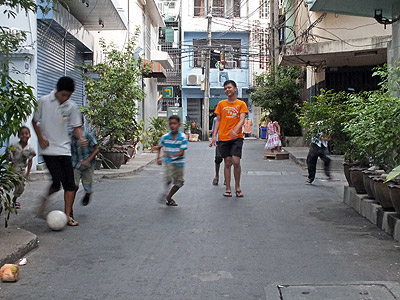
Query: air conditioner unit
point(193, 79)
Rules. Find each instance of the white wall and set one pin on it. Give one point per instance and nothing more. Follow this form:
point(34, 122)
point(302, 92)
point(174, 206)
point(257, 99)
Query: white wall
point(25, 63)
point(137, 16)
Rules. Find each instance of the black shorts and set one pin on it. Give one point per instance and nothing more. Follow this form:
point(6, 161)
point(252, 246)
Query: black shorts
point(231, 148)
point(61, 171)
point(218, 157)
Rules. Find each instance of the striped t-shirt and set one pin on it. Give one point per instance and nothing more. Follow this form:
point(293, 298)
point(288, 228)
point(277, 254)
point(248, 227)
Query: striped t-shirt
point(173, 146)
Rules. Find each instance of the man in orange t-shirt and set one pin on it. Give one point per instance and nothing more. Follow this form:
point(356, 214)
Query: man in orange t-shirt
point(231, 114)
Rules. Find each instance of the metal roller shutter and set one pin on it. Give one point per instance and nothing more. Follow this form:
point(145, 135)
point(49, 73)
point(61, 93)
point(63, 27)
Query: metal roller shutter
point(51, 62)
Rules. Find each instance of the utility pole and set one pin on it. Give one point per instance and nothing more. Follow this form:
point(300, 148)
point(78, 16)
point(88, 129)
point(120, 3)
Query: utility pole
point(272, 32)
point(206, 102)
point(129, 22)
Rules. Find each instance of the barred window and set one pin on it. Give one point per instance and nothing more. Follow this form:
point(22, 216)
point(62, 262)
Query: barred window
point(264, 9)
point(221, 8)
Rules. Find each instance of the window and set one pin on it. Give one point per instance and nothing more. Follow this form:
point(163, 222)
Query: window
point(199, 8)
point(221, 8)
point(172, 5)
point(218, 9)
point(230, 49)
point(264, 9)
point(232, 8)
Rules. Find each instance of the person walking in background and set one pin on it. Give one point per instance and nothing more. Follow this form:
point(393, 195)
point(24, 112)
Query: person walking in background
point(231, 114)
point(174, 145)
point(21, 155)
point(247, 127)
point(318, 148)
point(218, 157)
point(52, 118)
point(273, 135)
point(83, 161)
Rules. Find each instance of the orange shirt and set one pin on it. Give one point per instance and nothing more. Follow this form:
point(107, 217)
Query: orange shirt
point(230, 117)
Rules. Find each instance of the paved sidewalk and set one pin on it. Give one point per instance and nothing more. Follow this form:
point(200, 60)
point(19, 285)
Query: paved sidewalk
point(16, 242)
point(299, 156)
point(133, 166)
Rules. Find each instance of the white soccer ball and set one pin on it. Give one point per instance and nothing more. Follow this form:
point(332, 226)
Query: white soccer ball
point(57, 220)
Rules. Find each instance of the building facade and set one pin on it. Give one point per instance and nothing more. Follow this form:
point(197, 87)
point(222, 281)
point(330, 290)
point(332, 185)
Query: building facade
point(67, 36)
point(169, 89)
point(57, 43)
point(238, 29)
point(338, 51)
point(145, 16)
point(383, 12)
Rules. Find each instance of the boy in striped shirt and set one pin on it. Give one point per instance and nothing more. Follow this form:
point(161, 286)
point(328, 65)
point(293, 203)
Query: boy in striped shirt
point(174, 144)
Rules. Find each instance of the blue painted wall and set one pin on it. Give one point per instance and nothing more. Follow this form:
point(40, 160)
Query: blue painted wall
point(217, 78)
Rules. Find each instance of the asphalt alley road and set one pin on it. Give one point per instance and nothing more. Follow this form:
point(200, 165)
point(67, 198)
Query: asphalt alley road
point(129, 246)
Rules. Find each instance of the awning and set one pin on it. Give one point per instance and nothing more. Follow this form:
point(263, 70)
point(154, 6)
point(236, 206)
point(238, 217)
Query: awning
point(152, 8)
point(97, 14)
point(163, 58)
point(356, 52)
point(362, 8)
point(62, 21)
point(157, 70)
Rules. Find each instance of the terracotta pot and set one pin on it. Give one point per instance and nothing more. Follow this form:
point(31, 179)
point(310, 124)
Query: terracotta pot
point(346, 167)
point(372, 184)
point(382, 193)
point(126, 157)
point(394, 192)
point(356, 177)
point(113, 160)
point(131, 150)
point(367, 185)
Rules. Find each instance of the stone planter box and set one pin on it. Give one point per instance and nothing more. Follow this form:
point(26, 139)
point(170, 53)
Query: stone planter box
point(388, 221)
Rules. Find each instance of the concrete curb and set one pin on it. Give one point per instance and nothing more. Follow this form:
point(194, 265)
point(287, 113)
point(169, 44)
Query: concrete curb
point(132, 168)
point(123, 173)
point(297, 161)
point(300, 158)
point(15, 243)
point(388, 221)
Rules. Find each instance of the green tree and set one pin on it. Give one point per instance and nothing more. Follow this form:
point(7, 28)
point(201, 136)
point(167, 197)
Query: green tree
point(279, 92)
point(17, 100)
point(113, 90)
point(327, 114)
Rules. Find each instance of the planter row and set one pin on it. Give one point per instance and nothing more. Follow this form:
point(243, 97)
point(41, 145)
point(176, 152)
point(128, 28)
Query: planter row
point(372, 183)
point(388, 221)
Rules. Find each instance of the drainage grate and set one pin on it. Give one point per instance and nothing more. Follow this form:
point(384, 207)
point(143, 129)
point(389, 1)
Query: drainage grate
point(336, 292)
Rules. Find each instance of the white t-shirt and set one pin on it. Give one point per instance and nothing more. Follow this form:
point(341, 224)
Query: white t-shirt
point(54, 119)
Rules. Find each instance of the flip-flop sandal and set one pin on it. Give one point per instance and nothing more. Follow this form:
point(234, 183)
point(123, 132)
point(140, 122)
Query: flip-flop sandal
point(239, 194)
point(308, 182)
point(228, 194)
point(215, 181)
point(171, 203)
point(72, 222)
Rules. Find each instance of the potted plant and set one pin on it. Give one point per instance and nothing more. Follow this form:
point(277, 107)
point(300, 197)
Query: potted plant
point(195, 131)
point(394, 187)
point(113, 92)
point(373, 130)
point(151, 137)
